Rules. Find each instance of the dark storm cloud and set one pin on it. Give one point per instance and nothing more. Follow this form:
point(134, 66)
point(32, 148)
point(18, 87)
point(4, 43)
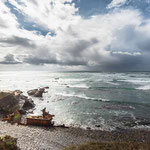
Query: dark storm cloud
point(49, 60)
point(39, 61)
point(79, 46)
point(9, 59)
point(18, 41)
point(97, 36)
point(72, 54)
point(125, 62)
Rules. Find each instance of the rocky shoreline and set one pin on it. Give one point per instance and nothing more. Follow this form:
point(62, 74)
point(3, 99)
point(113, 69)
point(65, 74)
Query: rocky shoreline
point(55, 138)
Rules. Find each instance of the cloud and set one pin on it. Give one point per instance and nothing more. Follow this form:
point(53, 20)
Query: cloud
point(116, 40)
point(51, 14)
point(14, 40)
point(9, 59)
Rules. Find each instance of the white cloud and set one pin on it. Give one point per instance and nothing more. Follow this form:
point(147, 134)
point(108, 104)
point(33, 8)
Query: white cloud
point(116, 3)
point(102, 41)
point(50, 14)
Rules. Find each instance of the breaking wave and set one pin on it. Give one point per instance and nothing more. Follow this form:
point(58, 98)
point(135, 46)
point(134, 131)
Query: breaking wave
point(82, 96)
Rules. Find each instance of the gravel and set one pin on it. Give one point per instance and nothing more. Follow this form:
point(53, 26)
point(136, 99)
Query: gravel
point(40, 138)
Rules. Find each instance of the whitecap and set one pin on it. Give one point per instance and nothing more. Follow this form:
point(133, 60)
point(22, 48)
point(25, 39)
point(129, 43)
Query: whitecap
point(146, 87)
point(79, 86)
point(81, 96)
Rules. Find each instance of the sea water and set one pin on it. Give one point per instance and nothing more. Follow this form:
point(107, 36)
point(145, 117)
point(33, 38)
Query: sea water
point(99, 100)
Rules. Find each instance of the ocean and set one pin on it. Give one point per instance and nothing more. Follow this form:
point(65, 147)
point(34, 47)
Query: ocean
point(96, 100)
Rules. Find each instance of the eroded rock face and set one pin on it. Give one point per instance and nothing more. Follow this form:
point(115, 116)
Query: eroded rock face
point(10, 101)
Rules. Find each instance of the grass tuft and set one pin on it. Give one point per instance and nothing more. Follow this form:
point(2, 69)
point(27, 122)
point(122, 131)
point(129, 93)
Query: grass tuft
point(111, 146)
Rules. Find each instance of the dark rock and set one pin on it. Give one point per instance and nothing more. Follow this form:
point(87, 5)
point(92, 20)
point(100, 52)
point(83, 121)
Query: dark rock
point(14, 100)
point(28, 105)
point(32, 92)
point(46, 87)
point(22, 111)
point(39, 93)
point(36, 92)
point(8, 102)
point(88, 128)
point(98, 126)
point(62, 126)
point(23, 97)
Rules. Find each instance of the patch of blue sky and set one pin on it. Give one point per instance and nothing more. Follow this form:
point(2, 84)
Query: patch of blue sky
point(88, 8)
point(30, 26)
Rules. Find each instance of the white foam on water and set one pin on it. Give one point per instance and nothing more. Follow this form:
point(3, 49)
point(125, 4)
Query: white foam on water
point(83, 96)
point(146, 87)
point(142, 127)
point(79, 86)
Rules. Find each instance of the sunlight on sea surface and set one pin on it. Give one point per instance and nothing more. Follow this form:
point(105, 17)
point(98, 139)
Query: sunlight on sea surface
point(102, 101)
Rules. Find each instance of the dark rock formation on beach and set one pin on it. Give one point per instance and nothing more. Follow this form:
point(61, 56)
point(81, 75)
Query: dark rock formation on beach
point(37, 92)
point(10, 101)
point(28, 104)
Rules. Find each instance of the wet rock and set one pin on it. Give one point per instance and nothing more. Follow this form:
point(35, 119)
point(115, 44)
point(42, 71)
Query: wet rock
point(98, 126)
point(29, 104)
point(32, 92)
point(62, 126)
point(46, 87)
point(22, 111)
point(88, 128)
point(37, 92)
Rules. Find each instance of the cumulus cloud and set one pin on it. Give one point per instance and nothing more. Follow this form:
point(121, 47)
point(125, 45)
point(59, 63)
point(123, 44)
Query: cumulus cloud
point(50, 14)
point(116, 40)
point(9, 59)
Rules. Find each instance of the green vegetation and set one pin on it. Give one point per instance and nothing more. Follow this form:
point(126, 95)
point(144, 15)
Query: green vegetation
point(111, 146)
point(17, 117)
point(8, 143)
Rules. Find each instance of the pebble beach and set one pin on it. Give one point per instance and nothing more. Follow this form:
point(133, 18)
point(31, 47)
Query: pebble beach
point(57, 138)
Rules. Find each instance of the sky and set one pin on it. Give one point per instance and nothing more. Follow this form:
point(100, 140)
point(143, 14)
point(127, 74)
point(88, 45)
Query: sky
point(75, 35)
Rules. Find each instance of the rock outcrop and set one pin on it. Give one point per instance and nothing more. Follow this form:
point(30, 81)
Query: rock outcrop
point(37, 92)
point(10, 101)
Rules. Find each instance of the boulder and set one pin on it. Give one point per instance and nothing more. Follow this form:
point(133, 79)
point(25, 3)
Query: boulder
point(39, 93)
point(36, 92)
point(28, 104)
point(8, 102)
point(32, 92)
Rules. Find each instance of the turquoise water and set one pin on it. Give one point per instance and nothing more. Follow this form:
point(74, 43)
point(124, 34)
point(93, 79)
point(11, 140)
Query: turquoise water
point(101, 101)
